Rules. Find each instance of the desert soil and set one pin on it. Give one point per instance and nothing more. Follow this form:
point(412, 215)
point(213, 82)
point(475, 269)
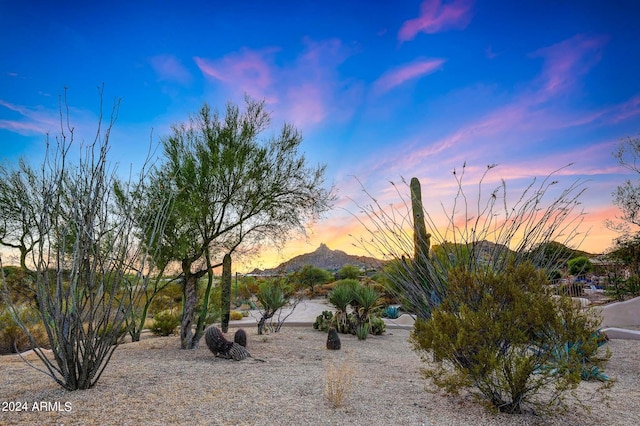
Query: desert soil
point(153, 382)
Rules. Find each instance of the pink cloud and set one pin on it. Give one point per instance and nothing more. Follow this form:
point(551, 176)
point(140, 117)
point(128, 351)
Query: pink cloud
point(305, 91)
point(436, 17)
point(22, 128)
point(249, 71)
point(32, 121)
point(567, 61)
point(306, 104)
point(169, 68)
point(629, 109)
point(400, 75)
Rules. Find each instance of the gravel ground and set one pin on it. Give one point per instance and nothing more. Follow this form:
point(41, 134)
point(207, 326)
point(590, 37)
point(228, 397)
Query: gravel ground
point(154, 382)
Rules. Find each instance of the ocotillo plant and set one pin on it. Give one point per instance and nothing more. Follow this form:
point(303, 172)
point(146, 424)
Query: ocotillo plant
point(482, 235)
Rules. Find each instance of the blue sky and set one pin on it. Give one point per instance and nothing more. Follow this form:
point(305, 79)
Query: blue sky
point(380, 89)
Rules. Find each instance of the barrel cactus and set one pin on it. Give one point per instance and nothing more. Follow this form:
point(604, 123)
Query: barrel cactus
point(221, 347)
point(240, 337)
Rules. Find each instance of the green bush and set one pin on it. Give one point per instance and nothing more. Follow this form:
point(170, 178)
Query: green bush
point(499, 334)
point(165, 323)
point(349, 272)
point(235, 315)
point(169, 298)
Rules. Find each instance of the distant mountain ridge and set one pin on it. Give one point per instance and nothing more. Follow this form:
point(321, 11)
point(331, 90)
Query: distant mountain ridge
point(325, 258)
point(332, 260)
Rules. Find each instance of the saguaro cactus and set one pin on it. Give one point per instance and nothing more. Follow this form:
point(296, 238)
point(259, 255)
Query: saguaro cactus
point(421, 239)
point(226, 292)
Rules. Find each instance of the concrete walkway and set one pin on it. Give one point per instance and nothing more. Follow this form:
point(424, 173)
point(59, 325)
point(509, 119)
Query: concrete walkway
point(620, 320)
point(305, 314)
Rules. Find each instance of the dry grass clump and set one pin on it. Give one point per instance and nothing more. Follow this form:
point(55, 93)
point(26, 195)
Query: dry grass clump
point(338, 381)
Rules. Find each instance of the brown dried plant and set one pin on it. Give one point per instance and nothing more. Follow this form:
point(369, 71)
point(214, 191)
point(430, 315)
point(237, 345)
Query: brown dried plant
point(338, 382)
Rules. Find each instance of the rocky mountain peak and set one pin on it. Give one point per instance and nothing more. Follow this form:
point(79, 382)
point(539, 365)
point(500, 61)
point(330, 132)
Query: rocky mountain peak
point(325, 258)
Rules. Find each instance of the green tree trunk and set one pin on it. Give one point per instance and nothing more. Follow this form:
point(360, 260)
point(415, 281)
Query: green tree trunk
point(226, 291)
point(190, 295)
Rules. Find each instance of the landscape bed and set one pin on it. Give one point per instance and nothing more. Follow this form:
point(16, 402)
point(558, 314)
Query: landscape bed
point(155, 382)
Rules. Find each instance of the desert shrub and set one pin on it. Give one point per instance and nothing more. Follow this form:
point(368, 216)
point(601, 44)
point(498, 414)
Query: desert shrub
point(19, 285)
point(12, 337)
point(235, 315)
point(621, 289)
point(499, 334)
point(349, 272)
point(169, 298)
point(247, 287)
point(165, 323)
point(555, 275)
point(580, 265)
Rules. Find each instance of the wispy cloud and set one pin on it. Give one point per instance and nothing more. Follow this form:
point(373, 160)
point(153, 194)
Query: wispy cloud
point(248, 71)
point(436, 17)
point(566, 62)
point(527, 120)
point(30, 122)
point(169, 68)
point(306, 90)
point(405, 73)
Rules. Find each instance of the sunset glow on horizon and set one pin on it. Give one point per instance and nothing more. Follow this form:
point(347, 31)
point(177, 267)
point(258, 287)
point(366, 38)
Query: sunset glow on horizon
point(381, 91)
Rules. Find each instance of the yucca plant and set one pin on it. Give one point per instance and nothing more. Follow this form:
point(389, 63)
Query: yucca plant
point(341, 297)
point(366, 299)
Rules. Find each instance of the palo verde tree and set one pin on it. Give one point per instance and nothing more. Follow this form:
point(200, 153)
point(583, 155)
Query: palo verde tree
point(83, 253)
point(231, 187)
point(309, 276)
point(17, 200)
